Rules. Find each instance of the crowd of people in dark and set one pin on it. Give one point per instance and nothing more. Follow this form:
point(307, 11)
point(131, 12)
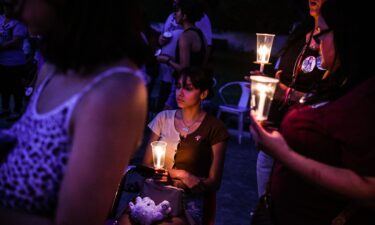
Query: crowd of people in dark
point(75, 84)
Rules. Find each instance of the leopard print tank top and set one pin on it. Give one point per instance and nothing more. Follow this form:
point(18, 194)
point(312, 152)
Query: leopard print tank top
point(31, 175)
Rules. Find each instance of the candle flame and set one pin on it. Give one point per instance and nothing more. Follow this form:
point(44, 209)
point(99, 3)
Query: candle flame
point(263, 51)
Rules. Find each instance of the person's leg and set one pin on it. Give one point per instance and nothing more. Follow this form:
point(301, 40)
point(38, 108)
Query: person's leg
point(264, 168)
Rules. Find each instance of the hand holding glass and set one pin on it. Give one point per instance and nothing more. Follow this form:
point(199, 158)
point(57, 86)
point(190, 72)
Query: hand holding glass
point(158, 153)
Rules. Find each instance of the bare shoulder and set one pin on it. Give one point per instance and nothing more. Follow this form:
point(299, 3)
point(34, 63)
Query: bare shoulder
point(185, 36)
point(43, 73)
point(118, 93)
point(124, 83)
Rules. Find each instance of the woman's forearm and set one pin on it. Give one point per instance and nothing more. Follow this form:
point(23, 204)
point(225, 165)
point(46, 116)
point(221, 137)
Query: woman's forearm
point(341, 181)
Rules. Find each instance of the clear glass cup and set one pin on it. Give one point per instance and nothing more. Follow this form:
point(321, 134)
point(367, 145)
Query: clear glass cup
point(262, 91)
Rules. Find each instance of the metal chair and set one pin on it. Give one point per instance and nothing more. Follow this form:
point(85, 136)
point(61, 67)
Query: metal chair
point(239, 107)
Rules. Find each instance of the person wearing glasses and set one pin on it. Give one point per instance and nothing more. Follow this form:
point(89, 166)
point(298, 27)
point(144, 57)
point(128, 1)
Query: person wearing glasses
point(299, 70)
point(324, 154)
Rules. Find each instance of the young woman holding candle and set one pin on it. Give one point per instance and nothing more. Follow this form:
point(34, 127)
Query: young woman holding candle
point(85, 118)
point(324, 152)
point(196, 143)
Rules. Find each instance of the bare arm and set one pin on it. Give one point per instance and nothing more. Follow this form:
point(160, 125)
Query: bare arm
point(216, 171)
point(185, 48)
point(341, 181)
point(212, 182)
point(107, 130)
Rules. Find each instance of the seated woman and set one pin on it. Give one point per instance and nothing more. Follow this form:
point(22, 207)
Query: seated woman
point(196, 144)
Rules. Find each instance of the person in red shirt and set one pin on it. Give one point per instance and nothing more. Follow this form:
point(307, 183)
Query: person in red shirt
point(324, 150)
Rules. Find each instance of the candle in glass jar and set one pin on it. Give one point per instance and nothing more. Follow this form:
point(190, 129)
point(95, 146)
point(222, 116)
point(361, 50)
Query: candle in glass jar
point(158, 153)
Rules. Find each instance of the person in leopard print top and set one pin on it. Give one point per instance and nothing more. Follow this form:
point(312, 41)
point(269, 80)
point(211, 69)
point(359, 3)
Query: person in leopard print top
point(85, 118)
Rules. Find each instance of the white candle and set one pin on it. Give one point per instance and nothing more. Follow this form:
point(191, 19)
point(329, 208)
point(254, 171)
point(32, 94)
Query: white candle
point(262, 89)
point(262, 100)
point(159, 153)
point(263, 51)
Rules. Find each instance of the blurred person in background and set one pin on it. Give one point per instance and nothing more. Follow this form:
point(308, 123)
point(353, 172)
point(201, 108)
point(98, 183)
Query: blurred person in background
point(12, 61)
point(193, 20)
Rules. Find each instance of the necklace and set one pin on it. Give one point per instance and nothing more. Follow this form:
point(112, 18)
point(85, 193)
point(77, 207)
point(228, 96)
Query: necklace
point(186, 128)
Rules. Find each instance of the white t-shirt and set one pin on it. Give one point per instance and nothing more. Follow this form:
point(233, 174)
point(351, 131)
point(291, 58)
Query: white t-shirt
point(163, 126)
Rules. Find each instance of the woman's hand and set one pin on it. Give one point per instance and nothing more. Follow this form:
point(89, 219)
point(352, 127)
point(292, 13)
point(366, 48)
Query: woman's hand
point(161, 176)
point(272, 142)
point(182, 176)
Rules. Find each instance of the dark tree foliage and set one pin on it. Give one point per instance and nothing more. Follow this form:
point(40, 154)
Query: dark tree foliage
point(276, 16)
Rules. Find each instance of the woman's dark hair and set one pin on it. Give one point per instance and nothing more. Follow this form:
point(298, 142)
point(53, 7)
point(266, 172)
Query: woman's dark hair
point(348, 23)
point(90, 33)
point(193, 9)
point(347, 20)
point(200, 78)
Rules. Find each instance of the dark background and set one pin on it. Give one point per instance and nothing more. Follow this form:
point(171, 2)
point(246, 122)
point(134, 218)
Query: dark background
point(251, 16)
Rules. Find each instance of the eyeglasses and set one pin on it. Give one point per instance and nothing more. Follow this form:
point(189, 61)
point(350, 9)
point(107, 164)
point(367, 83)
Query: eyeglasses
point(318, 37)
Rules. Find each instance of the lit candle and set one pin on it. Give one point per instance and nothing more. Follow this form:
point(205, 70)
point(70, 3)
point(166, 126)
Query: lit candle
point(264, 46)
point(262, 92)
point(263, 51)
point(158, 153)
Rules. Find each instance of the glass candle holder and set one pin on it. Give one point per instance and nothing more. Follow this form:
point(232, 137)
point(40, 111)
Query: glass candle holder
point(158, 153)
point(264, 47)
point(262, 91)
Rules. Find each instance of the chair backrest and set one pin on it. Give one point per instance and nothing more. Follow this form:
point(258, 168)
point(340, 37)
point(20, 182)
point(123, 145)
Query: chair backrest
point(243, 101)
